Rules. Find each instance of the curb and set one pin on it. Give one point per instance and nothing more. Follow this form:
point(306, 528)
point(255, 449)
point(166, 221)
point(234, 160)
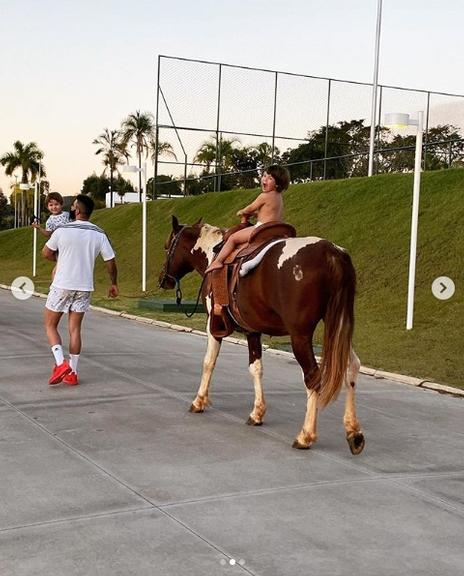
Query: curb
point(378, 374)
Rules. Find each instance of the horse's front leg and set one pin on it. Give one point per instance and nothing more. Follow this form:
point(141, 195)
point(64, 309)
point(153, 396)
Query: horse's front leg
point(354, 435)
point(209, 362)
point(255, 365)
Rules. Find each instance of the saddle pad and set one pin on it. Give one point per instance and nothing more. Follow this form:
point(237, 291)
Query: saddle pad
point(250, 264)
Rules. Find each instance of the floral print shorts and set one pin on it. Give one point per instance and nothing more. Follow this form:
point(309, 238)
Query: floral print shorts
point(60, 300)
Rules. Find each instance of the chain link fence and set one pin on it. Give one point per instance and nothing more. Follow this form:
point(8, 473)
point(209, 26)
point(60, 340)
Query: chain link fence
point(224, 123)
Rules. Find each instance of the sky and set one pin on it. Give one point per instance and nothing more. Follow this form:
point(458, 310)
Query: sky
point(70, 69)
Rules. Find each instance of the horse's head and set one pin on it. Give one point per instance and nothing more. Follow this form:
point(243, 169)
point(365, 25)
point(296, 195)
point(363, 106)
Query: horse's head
point(187, 248)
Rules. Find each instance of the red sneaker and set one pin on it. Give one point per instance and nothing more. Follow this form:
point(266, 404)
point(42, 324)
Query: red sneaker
point(59, 372)
point(71, 379)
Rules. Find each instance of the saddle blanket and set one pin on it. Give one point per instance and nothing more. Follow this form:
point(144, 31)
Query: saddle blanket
point(249, 265)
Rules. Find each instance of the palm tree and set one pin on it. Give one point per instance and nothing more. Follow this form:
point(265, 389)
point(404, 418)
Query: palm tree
point(266, 154)
point(164, 148)
point(138, 129)
point(28, 159)
point(218, 152)
point(112, 152)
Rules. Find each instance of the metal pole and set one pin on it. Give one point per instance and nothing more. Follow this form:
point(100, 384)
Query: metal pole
point(414, 219)
point(15, 202)
point(185, 175)
point(274, 117)
point(379, 133)
point(427, 116)
point(155, 171)
point(327, 128)
point(374, 88)
point(144, 230)
point(34, 233)
point(216, 179)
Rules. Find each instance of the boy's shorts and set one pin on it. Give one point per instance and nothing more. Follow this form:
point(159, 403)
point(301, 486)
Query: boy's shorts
point(61, 300)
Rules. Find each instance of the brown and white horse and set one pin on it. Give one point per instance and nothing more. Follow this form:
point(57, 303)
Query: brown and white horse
point(299, 282)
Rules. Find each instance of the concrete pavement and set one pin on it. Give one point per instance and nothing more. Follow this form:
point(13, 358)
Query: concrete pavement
point(115, 477)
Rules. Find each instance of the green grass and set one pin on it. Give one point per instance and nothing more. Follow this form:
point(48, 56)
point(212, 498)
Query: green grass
point(370, 217)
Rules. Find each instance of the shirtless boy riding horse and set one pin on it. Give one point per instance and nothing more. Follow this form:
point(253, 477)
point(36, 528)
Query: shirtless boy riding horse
point(268, 207)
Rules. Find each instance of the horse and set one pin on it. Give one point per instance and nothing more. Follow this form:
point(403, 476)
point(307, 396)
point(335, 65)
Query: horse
point(299, 282)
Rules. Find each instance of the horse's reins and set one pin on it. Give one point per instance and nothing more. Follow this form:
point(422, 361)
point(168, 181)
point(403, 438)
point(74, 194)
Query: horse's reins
point(172, 247)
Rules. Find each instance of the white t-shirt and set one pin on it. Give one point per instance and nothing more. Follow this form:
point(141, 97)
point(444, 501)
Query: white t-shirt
point(78, 244)
point(55, 220)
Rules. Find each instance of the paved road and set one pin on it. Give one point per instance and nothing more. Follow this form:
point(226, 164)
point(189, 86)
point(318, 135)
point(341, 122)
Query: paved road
point(115, 477)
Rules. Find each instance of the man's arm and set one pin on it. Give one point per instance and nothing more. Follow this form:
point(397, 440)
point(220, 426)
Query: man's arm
point(113, 274)
point(48, 253)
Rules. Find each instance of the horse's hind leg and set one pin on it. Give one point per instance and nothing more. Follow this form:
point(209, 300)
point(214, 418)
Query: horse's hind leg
point(303, 351)
point(209, 362)
point(354, 435)
point(255, 352)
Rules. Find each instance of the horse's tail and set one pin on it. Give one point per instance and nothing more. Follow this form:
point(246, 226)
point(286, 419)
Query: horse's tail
point(339, 325)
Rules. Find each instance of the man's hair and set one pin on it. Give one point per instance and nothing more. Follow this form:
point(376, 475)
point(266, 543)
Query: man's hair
point(281, 176)
point(54, 196)
point(85, 204)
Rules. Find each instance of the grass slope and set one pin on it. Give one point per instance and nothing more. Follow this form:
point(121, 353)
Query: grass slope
point(370, 217)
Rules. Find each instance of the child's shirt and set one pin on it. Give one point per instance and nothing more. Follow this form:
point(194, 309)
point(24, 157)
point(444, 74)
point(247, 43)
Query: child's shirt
point(55, 220)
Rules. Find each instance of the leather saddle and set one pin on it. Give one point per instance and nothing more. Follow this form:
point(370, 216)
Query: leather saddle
point(223, 283)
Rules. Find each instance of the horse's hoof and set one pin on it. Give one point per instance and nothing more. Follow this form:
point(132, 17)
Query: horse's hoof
point(252, 422)
point(299, 446)
point(356, 442)
point(195, 410)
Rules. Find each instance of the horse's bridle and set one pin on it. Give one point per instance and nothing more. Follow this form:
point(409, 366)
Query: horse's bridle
point(166, 274)
point(170, 251)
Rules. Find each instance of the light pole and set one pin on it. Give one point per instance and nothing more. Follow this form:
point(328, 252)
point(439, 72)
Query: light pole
point(374, 88)
point(15, 202)
point(143, 170)
point(401, 121)
point(28, 186)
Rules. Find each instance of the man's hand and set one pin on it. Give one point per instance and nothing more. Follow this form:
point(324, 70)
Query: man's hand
point(113, 292)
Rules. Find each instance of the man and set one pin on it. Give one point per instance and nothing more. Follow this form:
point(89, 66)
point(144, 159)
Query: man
point(75, 248)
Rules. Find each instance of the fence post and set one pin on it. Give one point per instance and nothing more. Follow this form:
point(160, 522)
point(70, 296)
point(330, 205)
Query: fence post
point(426, 139)
point(217, 183)
point(274, 118)
point(327, 129)
point(379, 131)
point(155, 164)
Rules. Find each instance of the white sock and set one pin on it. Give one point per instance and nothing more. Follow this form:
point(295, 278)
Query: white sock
point(73, 361)
point(57, 351)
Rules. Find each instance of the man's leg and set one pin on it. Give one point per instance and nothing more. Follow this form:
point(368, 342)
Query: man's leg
point(75, 345)
point(75, 327)
point(51, 321)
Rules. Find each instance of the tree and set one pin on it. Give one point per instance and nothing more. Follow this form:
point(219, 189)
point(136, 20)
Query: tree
point(122, 186)
point(266, 155)
point(445, 147)
point(112, 151)
point(28, 159)
point(96, 187)
point(347, 146)
point(221, 154)
point(165, 185)
point(6, 212)
point(138, 129)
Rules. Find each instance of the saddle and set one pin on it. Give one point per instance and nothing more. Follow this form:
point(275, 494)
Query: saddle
point(223, 283)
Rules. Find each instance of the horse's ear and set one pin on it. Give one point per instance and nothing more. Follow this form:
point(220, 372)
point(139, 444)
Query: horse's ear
point(175, 224)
